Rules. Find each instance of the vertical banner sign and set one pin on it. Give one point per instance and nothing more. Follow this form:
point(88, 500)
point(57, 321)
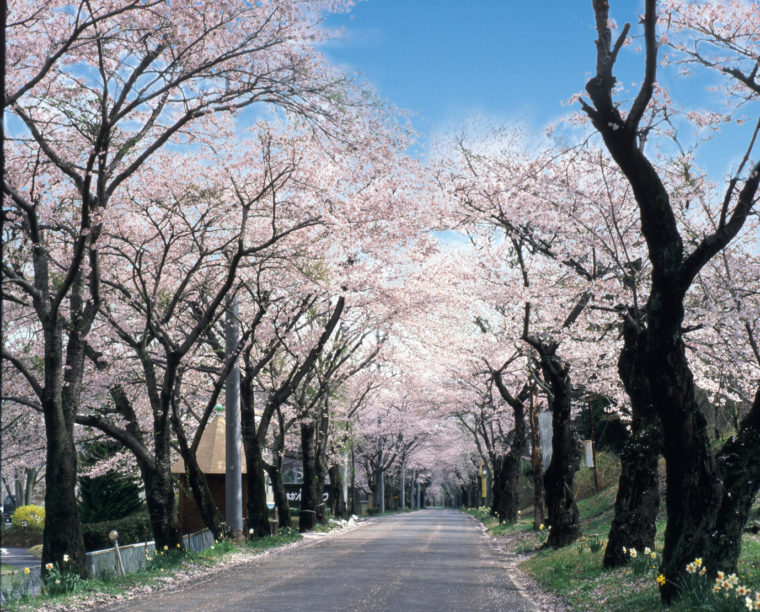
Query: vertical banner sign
point(589, 447)
point(545, 427)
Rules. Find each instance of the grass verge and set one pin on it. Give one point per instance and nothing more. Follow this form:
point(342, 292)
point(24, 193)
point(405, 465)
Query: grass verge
point(575, 573)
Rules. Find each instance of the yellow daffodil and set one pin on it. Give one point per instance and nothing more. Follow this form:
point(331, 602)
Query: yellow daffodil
point(661, 580)
point(166, 547)
point(179, 546)
point(27, 570)
point(541, 527)
point(653, 555)
point(698, 561)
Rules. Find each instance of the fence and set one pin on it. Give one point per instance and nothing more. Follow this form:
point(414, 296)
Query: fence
point(134, 557)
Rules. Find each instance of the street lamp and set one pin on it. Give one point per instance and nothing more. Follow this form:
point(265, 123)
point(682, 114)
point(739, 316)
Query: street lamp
point(113, 535)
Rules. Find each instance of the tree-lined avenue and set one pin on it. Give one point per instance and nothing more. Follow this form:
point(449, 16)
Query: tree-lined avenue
point(427, 560)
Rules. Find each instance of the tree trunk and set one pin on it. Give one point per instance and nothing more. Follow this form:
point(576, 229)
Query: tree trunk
point(319, 486)
point(740, 473)
point(307, 517)
point(693, 489)
point(558, 480)
point(505, 482)
point(638, 497)
point(162, 508)
point(280, 495)
point(496, 487)
point(338, 504)
point(508, 474)
point(62, 533)
point(537, 465)
point(258, 513)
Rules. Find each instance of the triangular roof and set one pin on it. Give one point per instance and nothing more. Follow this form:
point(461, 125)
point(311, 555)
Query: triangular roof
point(212, 452)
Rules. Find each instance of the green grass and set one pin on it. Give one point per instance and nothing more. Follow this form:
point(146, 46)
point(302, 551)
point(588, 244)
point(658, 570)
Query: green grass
point(284, 536)
point(576, 573)
point(36, 550)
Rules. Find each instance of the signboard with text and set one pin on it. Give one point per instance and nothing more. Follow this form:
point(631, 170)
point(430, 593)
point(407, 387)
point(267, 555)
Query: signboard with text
point(294, 492)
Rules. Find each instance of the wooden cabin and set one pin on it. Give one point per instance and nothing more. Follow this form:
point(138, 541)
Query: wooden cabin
point(212, 457)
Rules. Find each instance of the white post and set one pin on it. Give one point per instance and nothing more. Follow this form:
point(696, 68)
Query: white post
point(345, 478)
point(403, 484)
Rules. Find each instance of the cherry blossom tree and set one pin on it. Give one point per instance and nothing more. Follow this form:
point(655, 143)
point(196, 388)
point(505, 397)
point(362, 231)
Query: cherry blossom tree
point(86, 117)
point(702, 492)
point(566, 238)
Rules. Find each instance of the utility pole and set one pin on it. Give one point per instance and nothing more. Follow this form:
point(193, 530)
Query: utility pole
point(381, 475)
point(345, 478)
point(233, 481)
point(403, 484)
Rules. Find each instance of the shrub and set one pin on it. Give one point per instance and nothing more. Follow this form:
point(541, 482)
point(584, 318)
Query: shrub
point(372, 511)
point(33, 515)
point(132, 529)
point(608, 470)
point(110, 496)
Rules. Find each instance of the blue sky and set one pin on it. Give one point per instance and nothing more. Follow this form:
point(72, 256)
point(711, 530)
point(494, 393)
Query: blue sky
point(444, 60)
point(508, 60)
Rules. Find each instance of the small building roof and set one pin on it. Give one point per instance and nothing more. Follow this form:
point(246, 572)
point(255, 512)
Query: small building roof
point(212, 453)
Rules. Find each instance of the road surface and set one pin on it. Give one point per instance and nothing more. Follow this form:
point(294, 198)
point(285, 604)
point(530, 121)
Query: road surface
point(432, 559)
point(18, 557)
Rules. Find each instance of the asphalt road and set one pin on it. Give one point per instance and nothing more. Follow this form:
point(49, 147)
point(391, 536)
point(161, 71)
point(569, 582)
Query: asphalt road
point(17, 557)
point(427, 560)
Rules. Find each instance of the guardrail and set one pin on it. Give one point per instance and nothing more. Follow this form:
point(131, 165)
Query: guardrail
point(134, 557)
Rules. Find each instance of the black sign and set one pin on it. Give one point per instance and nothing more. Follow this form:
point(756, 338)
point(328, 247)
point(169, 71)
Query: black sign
point(293, 492)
